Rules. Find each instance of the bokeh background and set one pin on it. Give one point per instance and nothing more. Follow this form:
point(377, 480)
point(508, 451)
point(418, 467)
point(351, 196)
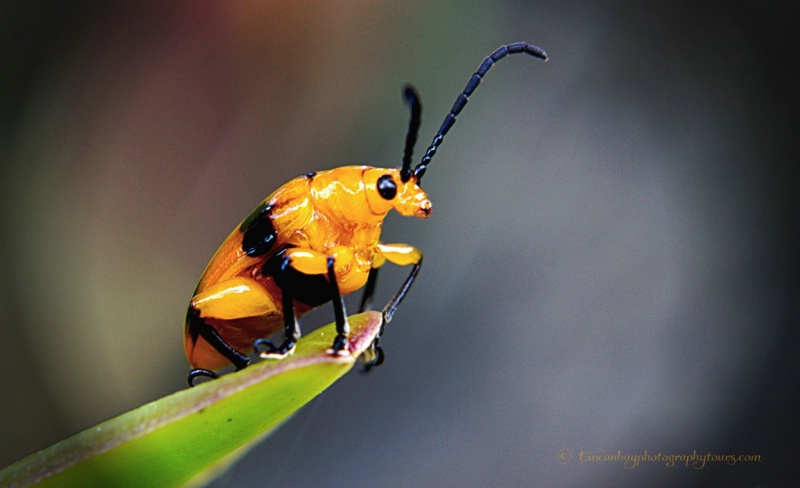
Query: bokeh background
point(610, 265)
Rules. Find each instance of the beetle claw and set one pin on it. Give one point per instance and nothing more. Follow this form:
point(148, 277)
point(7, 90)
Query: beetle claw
point(342, 353)
point(201, 373)
point(340, 346)
point(374, 357)
point(270, 351)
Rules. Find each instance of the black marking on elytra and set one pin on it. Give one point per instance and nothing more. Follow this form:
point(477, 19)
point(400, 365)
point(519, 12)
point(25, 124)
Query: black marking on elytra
point(259, 233)
point(310, 175)
point(313, 290)
point(192, 318)
point(258, 212)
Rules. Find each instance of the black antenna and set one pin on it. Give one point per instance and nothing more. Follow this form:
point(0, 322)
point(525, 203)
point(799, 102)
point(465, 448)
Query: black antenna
point(463, 98)
point(412, 99)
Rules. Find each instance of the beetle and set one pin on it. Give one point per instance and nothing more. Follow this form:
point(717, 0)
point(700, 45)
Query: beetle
point(312, 241)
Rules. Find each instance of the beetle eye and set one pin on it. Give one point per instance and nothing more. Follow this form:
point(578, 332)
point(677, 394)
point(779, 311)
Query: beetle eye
point(387, 187)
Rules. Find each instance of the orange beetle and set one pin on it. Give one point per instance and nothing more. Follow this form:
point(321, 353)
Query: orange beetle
point(313, 240)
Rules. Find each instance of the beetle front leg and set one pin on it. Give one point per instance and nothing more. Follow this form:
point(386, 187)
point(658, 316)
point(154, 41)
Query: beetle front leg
point(369, 291)
point(401, 255)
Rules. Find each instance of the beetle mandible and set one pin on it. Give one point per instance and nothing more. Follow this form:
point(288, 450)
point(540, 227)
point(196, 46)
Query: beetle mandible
point(313, 240)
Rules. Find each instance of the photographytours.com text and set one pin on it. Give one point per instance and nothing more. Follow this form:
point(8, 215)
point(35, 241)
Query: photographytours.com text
point(695, 460)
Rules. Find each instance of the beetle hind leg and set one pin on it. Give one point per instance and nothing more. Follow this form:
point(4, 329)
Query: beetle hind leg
point(199, 328)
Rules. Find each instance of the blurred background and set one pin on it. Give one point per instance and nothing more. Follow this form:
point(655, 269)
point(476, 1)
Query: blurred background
point(610, 265)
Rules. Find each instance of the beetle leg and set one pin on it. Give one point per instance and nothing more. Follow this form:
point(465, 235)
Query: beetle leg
point(198, 327)
point(198, 372)
point(377, 354)
point(391, 307)
point(231, 299)
point(310, 262)
point(402, 255)
point(291, 327)
point(378, 359)
point(290, 324)
point(234, 298)
point(369, 291)
point(342, 327)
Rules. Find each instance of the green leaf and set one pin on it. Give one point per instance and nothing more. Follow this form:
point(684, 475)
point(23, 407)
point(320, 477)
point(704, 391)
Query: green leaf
point(194, 434)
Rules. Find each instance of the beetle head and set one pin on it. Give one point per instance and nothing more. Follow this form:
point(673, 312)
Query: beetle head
point(386, 190)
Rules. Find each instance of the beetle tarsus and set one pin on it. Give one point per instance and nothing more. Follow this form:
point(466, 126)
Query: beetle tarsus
point(340, 346)
point(266, 349)
point(200, 373)
point(377, 359)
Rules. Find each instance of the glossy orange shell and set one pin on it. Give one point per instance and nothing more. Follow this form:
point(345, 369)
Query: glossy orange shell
point(320, 211)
